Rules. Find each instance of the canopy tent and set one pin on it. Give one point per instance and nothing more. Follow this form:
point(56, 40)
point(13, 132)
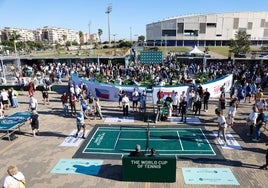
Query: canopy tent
point(195, 51)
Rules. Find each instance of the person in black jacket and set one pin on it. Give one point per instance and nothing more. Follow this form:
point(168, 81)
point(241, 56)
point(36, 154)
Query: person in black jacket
point(137, 152)
point(183, 109)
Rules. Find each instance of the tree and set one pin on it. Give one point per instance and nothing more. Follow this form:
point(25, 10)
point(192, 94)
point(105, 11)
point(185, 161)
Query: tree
point(81, 38)
point(100, 33)
point(141, 38)
point(15, 37)
point(241, 43)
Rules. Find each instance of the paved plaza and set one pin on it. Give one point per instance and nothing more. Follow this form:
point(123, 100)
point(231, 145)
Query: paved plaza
point(37, 156)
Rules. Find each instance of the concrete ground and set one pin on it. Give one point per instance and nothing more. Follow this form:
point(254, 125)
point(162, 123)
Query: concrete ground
point(36, 156)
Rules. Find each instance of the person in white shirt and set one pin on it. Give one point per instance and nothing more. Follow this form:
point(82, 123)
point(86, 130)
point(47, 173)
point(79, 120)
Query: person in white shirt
point(222, 125)
point(231, 113)
point(33, 103)
point(14, 178)
point(125, 103)
point(135, 99)
point(4, 96)
point(251, 120)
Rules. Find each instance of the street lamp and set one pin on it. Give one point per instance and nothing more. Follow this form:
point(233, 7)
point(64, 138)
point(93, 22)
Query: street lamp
point(90, 41)
point(114, 45)
point(108, 11)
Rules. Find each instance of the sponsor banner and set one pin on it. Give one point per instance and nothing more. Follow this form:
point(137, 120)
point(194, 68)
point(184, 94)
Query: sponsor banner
point(110, 92)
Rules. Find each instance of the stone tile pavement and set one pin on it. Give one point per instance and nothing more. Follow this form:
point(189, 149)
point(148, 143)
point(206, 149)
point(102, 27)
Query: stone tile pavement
point(36, 156)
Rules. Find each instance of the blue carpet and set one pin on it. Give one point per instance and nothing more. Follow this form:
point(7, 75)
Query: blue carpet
point(210, 176)
point(77, 166)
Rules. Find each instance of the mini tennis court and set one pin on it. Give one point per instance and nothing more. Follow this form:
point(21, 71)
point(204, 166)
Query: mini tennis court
point(114, 141)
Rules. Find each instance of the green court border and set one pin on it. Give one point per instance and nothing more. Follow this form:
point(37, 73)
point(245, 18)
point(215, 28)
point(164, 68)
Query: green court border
point(208, 134)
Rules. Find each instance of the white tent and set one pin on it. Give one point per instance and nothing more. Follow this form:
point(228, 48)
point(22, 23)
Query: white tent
point(195, 51)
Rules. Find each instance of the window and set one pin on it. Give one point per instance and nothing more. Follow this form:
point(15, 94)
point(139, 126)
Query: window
point(211, 24)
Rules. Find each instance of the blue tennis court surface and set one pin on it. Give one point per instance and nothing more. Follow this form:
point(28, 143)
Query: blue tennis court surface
point(77, 166)
point(209, 176)
point(167, 141)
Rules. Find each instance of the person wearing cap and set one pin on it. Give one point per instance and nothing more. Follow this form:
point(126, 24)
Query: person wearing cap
point(34, 121)
point(259, 122)
point(137, 152)
point(81, 124)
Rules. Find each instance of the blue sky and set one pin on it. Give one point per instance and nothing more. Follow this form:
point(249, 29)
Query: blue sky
point(128, 19)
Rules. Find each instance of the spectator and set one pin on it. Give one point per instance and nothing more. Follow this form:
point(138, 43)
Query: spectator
point(222, 125)
point(120, 96)
point(4, 97)
point(231, 113)
point(153, 153)
point(14, 178)
point(31, 87)
point(259, 124)
point(72, 101)
point(160, 94)
point(45, 95)
point(206, 99)
point(15, 95)
point(97, 108)
point(135, 99)
point(64, 100)
point(80, 123)
point(183, 109)
point(33, 104)
point(34, 119)
point(125, 103)
point(197, 104)
point(137, 152)
point(251, 120)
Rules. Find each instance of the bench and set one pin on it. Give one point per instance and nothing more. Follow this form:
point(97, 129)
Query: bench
point(149, 169)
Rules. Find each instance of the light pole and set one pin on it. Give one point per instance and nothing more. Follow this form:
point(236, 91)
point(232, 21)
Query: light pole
point(114, 45)
point(130, 34)
point(90, 41)
point(108, 11)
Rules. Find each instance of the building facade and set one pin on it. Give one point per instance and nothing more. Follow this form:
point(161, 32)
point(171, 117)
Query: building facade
point(208, 29)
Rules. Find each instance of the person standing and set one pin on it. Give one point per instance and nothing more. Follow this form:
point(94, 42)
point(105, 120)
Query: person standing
point(259, 123)
point(72, 101)
point(33, 104)
point(222, 125)
point(45, 95)
point(135, 99)
point(31, 88)
point(97, 108)
point(197, 104)
point(14, 178)
point(183, 109)
point(251, 120)
point(4, 96)
point(205, 99)
point(34, 119)
point(125, 103)
point(81, 124)
point(64, 100)
point(120, 96)
point(231, 113)
point(15, 95)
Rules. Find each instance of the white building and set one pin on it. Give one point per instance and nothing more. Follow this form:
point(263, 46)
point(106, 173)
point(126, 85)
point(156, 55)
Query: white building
point(208, 29)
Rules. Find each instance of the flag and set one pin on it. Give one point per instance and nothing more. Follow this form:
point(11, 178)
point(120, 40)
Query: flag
point(102, 93)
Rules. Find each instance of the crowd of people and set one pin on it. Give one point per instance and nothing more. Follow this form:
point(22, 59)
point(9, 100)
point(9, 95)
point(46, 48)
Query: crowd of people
point(249, 83)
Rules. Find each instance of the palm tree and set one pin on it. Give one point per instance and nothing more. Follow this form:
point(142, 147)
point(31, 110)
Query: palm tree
point(15, 37)
point(100, 33)
point(81, 38)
